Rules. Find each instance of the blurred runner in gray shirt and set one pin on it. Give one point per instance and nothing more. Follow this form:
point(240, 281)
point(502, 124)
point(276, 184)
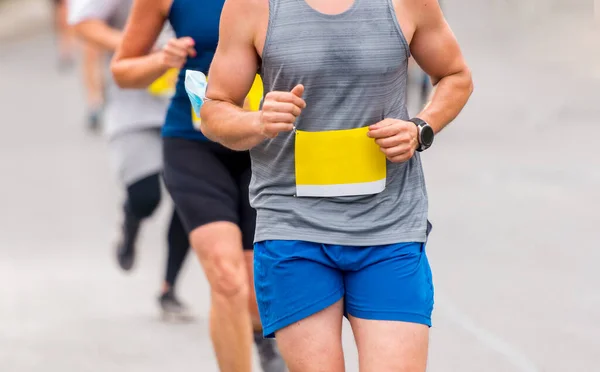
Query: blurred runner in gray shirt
point(132, 125)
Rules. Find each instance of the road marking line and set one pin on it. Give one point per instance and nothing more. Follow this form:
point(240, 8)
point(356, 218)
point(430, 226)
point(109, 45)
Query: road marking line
point(514, 356)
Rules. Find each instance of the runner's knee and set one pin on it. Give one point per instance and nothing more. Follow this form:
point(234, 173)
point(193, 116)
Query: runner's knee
point(229, 278)
point(143, 196)
point(224, 265)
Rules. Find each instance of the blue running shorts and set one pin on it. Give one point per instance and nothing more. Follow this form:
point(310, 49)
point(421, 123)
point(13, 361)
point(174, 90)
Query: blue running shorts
point(295, 279)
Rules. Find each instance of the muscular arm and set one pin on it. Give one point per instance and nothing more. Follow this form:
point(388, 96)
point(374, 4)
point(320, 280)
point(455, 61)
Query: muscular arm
point(133, 65)
point(230, 78)
point(436, 50)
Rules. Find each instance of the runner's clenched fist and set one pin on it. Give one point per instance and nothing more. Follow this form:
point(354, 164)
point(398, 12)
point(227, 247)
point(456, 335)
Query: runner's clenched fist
point(176, 52)
point(280, 110)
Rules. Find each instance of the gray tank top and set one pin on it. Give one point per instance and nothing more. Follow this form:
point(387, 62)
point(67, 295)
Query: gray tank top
point(354, 69)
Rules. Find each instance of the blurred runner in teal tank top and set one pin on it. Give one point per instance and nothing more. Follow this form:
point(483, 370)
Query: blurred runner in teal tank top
point(208, 182)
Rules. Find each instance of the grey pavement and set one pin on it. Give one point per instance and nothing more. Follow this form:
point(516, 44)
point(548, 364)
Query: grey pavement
point(514, 187)
point(22, 18)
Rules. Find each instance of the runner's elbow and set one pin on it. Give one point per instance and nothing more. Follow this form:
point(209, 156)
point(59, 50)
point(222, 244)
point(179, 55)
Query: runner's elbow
point(119, 75)
point(207, 131)
point(469, 79)
point(123, 75)
point(460, 80)
point(207, 115)
point(466, 80)
point(220, 123)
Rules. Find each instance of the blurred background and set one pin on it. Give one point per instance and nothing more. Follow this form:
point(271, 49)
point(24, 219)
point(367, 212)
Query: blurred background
point(514, 188)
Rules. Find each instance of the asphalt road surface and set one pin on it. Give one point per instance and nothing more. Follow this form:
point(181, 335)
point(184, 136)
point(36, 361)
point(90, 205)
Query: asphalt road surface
point(514, 188)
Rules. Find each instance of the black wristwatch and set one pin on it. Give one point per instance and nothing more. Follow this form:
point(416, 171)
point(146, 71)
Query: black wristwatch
point(426, 134)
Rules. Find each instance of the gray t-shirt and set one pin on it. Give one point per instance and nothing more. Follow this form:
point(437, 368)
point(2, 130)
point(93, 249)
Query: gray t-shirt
point(126, 109)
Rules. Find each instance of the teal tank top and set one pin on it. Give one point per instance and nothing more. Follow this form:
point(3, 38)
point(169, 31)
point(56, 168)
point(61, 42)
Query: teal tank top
point(200, 21)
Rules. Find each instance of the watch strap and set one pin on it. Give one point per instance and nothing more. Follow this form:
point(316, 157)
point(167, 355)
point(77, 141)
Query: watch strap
point(420, 123)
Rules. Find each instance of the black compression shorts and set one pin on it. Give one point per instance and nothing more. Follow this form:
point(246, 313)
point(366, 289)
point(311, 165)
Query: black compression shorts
point(209, 183)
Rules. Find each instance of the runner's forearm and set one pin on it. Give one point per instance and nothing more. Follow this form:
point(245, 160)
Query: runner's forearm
point(138, 72)
point(230, 125)
point(99, 33)
point(450, 96)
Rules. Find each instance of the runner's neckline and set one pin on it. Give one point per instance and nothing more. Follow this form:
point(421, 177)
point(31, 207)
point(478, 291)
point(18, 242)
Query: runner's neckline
point(345, 12)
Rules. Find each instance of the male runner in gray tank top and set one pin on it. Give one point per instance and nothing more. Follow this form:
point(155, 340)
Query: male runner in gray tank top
point(337, 178)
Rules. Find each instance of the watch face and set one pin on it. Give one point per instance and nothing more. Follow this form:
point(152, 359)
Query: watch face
point(426, 135)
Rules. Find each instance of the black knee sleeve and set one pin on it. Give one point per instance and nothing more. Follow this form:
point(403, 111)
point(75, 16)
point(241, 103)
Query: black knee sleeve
point(143, 196)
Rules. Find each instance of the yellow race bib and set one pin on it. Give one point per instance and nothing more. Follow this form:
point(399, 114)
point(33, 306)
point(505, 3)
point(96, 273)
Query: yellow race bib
point(164, 86)
point(255, 95)
point(196, 120)
point(338, 163)
point(252, 103)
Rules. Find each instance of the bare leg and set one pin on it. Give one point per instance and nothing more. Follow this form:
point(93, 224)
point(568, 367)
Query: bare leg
point(219, 248)
point(94, 83)
point(314, 344)
point(64, 34)
point(92, 75)
point(386, 346)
